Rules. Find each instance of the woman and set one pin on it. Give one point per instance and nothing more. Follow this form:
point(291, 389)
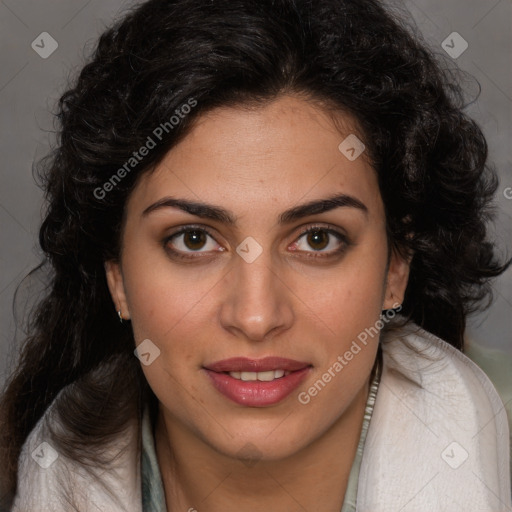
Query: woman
point(279, 208)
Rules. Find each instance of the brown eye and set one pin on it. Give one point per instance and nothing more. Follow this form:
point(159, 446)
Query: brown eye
point(189, 240)
point(194, 239)
point(318, 239)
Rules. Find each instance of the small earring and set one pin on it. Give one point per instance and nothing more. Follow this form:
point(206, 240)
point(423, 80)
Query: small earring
point(120, 316)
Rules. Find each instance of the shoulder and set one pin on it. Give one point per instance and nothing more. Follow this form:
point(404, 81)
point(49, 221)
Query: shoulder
point(438, 426)
point(432, 363)
point(49, 480)
point(445, 378)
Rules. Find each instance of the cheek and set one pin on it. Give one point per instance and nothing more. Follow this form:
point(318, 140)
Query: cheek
point(170, 308)
point(164, 299)
point(349, 316)
point(349, 298)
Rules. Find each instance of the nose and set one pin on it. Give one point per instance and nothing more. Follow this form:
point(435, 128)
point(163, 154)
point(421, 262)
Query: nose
point(258, 303)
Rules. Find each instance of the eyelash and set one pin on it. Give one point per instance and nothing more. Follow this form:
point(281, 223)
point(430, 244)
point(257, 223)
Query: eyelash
point(185, 229)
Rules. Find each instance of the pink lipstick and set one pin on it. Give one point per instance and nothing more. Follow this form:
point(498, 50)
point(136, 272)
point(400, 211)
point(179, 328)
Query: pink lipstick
point(257, 382)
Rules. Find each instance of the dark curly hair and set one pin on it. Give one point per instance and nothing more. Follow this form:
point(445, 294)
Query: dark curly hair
point(349, 55)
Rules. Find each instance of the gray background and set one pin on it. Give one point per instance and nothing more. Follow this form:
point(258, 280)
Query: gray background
point(30, 86)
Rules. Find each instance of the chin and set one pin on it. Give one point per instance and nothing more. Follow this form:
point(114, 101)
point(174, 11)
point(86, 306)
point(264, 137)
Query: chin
point(267, 443)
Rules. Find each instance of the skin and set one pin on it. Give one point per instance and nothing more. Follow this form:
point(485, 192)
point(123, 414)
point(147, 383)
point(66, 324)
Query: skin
point(289, 302)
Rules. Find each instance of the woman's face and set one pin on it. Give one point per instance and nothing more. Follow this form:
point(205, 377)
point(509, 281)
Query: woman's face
point(257, 287)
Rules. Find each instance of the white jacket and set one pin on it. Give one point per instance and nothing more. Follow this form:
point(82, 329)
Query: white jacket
point(438, 441)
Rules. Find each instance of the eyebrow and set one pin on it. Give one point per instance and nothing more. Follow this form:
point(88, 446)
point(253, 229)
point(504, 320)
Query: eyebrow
point(219, 214)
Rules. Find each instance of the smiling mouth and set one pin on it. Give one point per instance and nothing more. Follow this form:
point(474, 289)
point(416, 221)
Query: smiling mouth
point(257, 382)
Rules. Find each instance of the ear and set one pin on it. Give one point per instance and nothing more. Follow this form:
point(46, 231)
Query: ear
point(396, 279)
point(116, 287)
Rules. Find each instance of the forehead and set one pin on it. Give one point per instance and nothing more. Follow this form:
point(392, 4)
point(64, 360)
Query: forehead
point(264, 159)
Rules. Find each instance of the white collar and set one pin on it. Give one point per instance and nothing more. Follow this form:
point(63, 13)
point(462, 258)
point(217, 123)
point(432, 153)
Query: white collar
point(439, 435)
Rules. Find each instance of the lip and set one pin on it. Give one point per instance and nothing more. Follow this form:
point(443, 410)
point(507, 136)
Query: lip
point(257, 393)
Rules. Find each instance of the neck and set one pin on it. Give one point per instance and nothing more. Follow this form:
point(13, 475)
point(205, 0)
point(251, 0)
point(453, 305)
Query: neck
point(195, 476)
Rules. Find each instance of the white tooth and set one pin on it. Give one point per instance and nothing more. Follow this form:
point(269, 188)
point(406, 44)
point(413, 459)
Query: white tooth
point(261, 376)
point(266, 376)
point(248, 375)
